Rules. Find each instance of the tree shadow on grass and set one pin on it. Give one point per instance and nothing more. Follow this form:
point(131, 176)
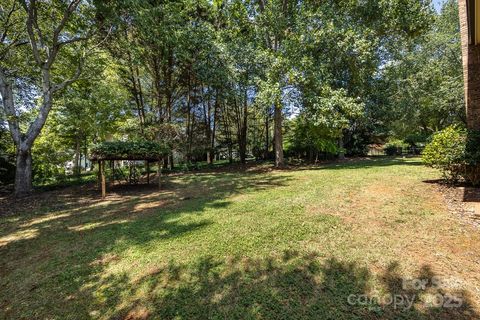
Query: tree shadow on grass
point(291, 286)
point(363, 163)
point(50, 255)
point(55, 264)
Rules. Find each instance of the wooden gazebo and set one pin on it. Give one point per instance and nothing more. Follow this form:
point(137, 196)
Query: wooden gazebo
point(147, 151)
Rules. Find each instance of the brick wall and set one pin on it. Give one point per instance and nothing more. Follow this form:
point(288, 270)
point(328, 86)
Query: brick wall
point(471, 70)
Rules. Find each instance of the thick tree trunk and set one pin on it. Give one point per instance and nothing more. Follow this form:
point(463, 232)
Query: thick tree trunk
point(23, 174)
point(278, 118)
point(243, 152)
point(44, 64)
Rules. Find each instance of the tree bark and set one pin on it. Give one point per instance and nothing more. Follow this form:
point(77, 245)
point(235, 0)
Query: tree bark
point(243, 129)
point(102, 178)
point(207, 117)
point(44, 60)
point(279, 161)
point(267, 135)
point(77, 165)
point(23, 173)
point(159, 173)
point(214, 126)
point(341, 150)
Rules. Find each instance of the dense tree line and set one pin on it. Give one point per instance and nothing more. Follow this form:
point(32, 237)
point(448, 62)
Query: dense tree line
point(228, 79)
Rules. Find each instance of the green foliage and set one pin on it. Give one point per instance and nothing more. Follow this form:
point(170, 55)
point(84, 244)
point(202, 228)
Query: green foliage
point(204, 76)
point(395, 147)
point(305, 139)
point(235, 245)
point(472, 158)
point(7, 158)
point(50, 153)
point(456, 152)
point(422, 87)
point(130, 150)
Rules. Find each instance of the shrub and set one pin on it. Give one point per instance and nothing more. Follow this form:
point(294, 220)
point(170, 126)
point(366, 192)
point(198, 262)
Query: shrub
point(394, 147)
point(446, 152)
point(472, 158)
point(456, 152)
point(129, 150)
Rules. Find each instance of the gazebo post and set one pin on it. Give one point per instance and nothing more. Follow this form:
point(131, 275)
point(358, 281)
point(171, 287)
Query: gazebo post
point(99, 175)
point(130, 172)
point(112, 173)
point(102, 175)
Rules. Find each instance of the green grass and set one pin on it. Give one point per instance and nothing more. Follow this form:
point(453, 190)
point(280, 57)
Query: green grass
point(247, 244)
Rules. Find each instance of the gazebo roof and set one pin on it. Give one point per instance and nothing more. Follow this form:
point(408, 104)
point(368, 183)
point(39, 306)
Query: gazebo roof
point(129, 150)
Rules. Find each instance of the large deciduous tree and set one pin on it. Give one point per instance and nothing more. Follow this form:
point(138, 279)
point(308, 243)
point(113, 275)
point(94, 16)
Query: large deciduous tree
point(36, 39)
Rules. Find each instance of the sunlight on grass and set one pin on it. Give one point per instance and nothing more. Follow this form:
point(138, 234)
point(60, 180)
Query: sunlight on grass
point(241, 245)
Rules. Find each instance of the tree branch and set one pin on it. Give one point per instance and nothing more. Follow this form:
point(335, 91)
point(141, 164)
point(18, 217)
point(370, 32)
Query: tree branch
point(56, 33)
point(31, 32)
point(7, 25)
point(8, 106)
point(74, 78)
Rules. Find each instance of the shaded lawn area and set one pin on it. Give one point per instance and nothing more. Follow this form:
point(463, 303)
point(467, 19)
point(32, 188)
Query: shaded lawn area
point(246, 244)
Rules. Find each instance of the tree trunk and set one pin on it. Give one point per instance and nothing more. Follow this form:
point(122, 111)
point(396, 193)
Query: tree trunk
point(279, 161)
point(230, 153)
point(214, 125)
point(207, 118)
point(267, 136)
point(102, 178)
point(243, 152)
point(171, 163)
point(244, 127)
point(341, 150)
point(76, 169)
point(24, 141)
point(311, 152)
point(85, 153)
point(23, 174)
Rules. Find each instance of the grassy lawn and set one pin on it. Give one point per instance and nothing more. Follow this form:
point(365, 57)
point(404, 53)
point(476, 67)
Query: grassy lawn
point(247, 244)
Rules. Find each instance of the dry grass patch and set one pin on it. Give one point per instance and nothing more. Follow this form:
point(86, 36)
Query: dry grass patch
point(251, 243)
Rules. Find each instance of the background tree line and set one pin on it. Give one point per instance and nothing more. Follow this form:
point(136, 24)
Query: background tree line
point(222, 79)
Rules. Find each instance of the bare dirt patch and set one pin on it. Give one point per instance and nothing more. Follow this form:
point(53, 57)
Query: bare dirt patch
point(463, 202)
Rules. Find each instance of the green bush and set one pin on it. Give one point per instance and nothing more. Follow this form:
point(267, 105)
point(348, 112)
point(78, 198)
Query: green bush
point(472, 157)
point(456, 152)
point(129, 150)
point(394, 147)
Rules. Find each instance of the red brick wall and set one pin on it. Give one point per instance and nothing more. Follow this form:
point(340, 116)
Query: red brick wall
point(471, 70)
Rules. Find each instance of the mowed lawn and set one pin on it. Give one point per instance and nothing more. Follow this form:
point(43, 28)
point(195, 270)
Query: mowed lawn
point(241, 243)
